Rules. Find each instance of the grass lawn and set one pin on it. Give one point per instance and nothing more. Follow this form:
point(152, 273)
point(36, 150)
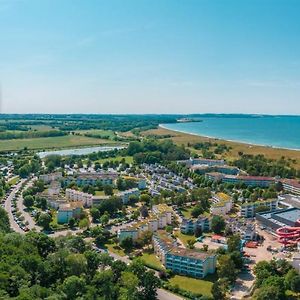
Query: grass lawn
point(14, 180)
point(187, 212)
point(114, 248)
point(56, 142)
point(193, 285)
point(101, 193)
point(128, 159)
point(151, 260)
point(184, 237)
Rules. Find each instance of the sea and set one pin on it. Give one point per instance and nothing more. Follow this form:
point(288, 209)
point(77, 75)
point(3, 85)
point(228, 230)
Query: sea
point(272, 131)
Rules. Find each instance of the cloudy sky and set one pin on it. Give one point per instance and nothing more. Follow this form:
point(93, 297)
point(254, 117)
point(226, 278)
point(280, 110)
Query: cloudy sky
point(150, 56)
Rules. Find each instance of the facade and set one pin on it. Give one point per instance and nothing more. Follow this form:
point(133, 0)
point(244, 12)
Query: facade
point(202, 161)
point(222, 204)
point(85, 198)
point(203, 169)
point(246, 230)
point(54, 188)
point(291, 185)
point(105, 178)
point(255, 181)
point(183, 261)
point(152, 224)
point(189, 225)
point(125, 195)
point(248, 210)
point(68, 211)
point(47, 178)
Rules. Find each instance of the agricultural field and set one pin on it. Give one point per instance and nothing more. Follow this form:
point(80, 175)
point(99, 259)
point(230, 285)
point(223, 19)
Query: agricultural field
point(57, 142)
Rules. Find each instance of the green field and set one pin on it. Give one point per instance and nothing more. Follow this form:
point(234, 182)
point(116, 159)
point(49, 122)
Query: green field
point(128, 159)
point(98, 132)
point(14, 180)
point(184, 237)
point(187, 212)
point(57, 142)
point(151, 260)
point(114, 248)
point(193, 285)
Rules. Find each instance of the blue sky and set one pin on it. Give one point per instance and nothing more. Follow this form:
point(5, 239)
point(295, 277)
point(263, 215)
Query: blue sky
point(150, 56)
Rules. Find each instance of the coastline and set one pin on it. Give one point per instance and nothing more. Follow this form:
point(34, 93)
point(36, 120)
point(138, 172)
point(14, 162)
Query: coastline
point(236, 148)
point(228, 140)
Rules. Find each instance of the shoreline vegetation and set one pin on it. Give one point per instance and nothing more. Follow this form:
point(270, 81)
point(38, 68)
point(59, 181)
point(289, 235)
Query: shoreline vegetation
point(186, 139)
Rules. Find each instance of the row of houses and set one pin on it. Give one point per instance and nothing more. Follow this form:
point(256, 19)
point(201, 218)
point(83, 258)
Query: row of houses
point(160, 218)
point(249, 209)
point(183, 261)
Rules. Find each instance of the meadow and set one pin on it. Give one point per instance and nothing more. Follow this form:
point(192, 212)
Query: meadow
point(68, 141)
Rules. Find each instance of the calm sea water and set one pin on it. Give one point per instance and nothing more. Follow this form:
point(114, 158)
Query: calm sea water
point(279, 132)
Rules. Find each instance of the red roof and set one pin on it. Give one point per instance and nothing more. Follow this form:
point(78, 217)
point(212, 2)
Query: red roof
point(292, 182)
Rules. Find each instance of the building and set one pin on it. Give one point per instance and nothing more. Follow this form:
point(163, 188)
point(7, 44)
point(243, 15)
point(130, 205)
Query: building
point(47, 178)
point(280, 218)
point(183, 261)
point(246, 230)
point(249, 209)
point(54, 188)
point(68, 211)
point(291, 186)
point(125, 195)
point(222, 204)
point(165, 211)
point(189, 225)
point(255, 181)
point(154, 222)
point(202, 161)
point(132, 233)
point(105, 178)
point(85, 198)
point(203, 169)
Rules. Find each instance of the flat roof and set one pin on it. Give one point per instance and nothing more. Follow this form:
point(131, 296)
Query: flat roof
point(291, 215)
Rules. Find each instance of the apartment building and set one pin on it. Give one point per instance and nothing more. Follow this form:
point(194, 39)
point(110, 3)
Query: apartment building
point(85, 198)
point(68, 211)
point(291, 186)
point(47, 178)
point(222, 204)
point(105, 178)
point(125, 195)
point(249, 209)
point(183, 261)
point(189, 225)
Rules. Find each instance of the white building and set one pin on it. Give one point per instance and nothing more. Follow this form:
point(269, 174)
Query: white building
point(47, 178)
point(222, 204)
point(85, 198)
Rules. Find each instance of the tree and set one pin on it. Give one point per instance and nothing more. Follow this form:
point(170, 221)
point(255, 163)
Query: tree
point(295, 284)
point(95, 214)
point(73, 287)
point(144, 211)
point(84, 223)
point(44, 220)
point(234, 243)
point(4, 221)
point(108, 190)
point(197, 211)
point(217, 224)
point(93, 262)
point(267, 293)
point(144, 198)
point(104, 218)
point(71, 223)
point(127, 244)
point(219, 289)
point(226, 268)
point(148, 286)
point(129, 283)
point(76, 264)
point(198, 231)
point(191, 243)
point(28, 201)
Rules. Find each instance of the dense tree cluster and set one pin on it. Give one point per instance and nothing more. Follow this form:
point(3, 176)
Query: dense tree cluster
point(153, 151)
point(274, 278)
point(7, 135)
point(34, 266)
point(259, 165)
